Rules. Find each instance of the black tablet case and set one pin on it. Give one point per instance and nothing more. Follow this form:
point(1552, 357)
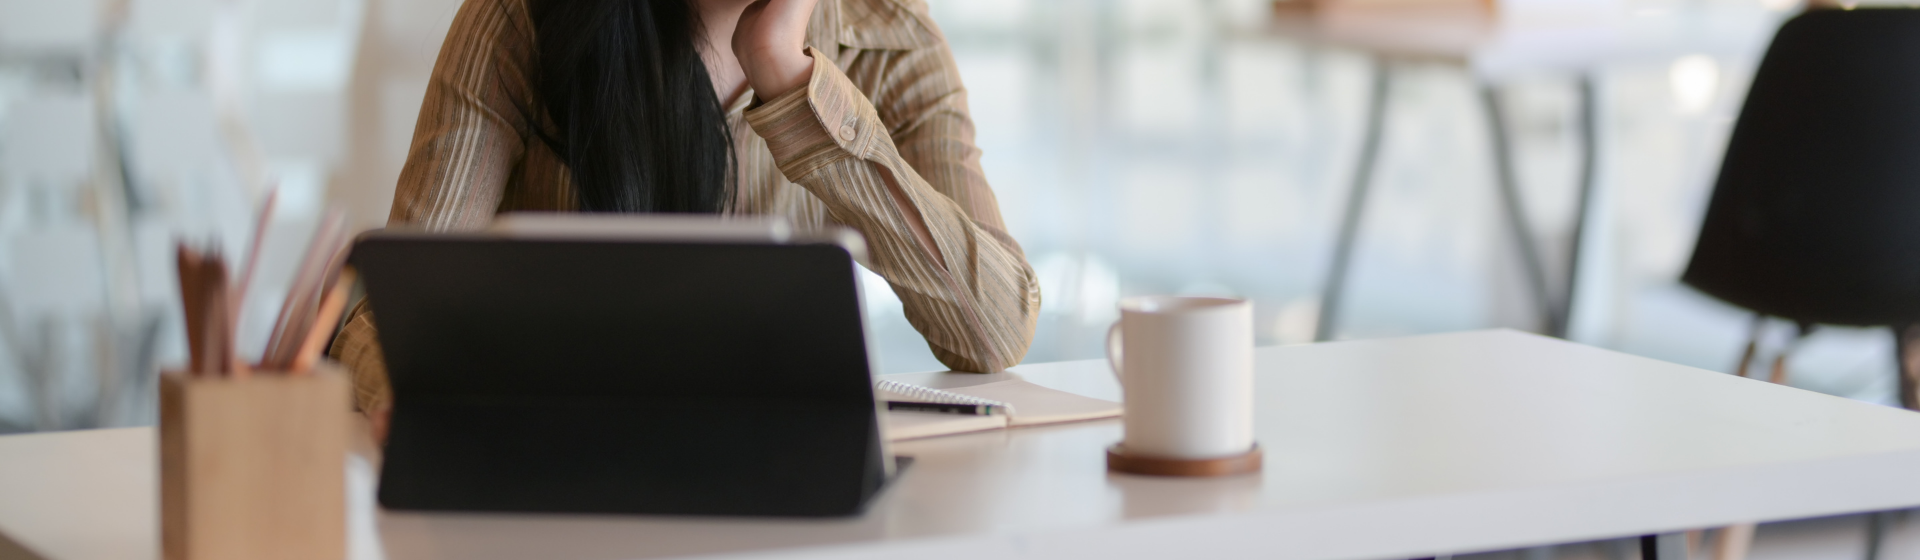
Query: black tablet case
point(623, 377)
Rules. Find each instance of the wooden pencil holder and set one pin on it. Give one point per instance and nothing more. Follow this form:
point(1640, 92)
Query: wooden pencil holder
point(253, 468)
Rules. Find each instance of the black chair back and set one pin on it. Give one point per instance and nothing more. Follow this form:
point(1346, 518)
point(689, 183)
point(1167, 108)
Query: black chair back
point(1816, 215)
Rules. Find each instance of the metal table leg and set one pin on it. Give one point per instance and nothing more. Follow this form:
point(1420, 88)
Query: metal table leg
point(1515, 210)
point(1876, 533)
point(1332, 290)
point(1589, 170)
point(1666, 546)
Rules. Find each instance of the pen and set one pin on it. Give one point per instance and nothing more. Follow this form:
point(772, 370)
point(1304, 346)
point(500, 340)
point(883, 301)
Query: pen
point(944, 408)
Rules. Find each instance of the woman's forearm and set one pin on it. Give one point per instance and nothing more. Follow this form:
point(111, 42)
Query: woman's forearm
point(964, 285)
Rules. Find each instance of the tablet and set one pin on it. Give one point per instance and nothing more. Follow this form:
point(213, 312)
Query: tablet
point(625, 364)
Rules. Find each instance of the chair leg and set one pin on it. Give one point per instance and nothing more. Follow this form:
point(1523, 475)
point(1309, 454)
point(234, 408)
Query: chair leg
point(1733, 542)
point(1753, 344)
point(1907, 353)
point(1800, 333)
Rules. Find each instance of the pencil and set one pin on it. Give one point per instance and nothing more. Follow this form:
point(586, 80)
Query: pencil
point(206, 303)
point(303, 297)
point(218, 301)
point(187, 262)
point(323, 324)
point(253, 252)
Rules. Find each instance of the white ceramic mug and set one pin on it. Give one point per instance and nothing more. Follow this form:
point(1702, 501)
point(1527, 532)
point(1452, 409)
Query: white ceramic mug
point(1186, 366)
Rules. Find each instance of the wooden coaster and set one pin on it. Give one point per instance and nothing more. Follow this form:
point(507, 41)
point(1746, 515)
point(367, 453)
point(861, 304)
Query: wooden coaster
point(1118, 460)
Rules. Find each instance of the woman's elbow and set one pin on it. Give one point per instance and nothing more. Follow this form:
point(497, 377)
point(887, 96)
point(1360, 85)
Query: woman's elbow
point(1005, 342)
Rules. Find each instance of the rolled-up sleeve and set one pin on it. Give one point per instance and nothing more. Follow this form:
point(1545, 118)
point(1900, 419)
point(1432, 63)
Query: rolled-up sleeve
point(968, 289)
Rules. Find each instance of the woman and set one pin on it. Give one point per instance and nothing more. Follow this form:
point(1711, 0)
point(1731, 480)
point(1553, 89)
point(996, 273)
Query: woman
point(846, 112)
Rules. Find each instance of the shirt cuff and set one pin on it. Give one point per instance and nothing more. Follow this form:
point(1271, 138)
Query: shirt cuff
point(827, 121)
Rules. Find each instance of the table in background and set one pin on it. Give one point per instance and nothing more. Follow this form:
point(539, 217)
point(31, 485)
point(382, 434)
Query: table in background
point(1395, 448)
point(1493, 47)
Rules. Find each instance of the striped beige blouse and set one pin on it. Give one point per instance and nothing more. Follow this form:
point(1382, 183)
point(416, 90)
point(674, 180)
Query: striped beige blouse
point(879, 137)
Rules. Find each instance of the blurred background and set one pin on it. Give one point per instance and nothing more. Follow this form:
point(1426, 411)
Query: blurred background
point(1137, 147)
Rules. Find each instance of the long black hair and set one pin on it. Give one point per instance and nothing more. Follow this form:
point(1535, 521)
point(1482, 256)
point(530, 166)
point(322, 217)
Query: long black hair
point(633, 111)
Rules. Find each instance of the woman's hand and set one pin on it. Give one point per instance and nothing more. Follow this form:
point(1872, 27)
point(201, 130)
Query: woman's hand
point(771, 44)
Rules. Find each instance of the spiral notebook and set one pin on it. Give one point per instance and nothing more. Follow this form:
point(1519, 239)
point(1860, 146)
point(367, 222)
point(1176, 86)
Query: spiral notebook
point(1018, 403)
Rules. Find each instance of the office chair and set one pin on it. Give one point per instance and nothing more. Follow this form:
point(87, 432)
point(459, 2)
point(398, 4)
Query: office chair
point(1816, 215)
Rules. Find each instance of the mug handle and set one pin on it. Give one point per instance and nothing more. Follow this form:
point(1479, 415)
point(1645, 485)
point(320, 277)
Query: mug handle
point(1114, 351)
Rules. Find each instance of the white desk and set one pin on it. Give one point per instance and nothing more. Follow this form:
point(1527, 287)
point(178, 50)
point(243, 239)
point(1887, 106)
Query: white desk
point(1375, 449)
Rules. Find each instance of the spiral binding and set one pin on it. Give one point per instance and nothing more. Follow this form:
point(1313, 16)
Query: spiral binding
point(929, 394)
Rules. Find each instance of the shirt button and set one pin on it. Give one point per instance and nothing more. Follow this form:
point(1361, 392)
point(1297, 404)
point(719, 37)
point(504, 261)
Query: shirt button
point(847, 132)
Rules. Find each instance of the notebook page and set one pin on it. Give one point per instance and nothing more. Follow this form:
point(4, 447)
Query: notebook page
point(1034, 405)
point(909, 424)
